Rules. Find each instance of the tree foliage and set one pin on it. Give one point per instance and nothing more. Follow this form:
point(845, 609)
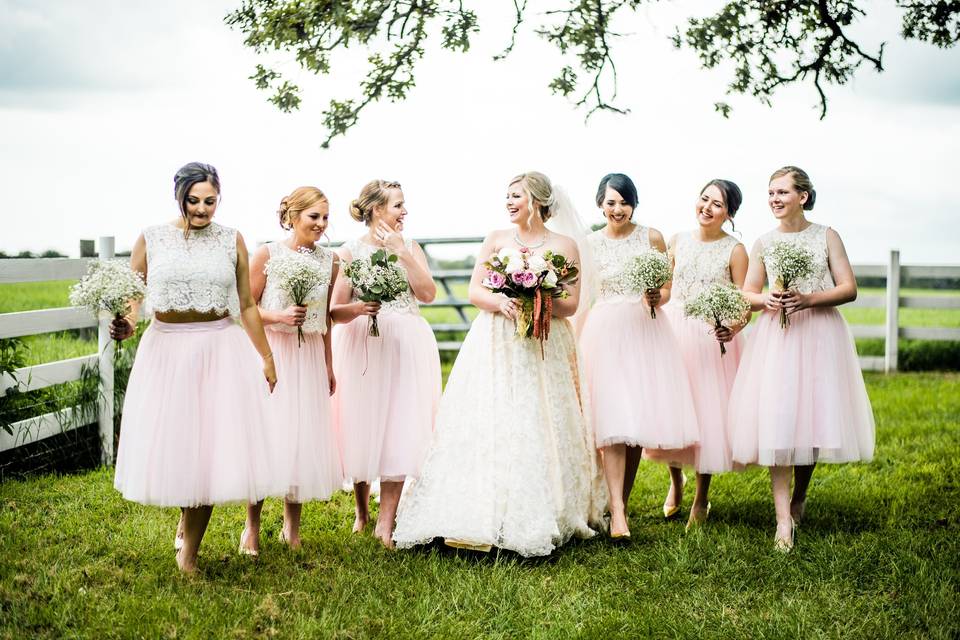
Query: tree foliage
point(768, 43)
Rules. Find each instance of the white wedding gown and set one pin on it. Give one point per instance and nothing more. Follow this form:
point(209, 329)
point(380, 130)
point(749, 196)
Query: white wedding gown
point(512, 463)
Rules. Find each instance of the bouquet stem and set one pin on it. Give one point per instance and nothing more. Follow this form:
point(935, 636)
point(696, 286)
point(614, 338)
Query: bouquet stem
point(117, 346)
point(784, 320)
point(374, 327)
point(653, 309)
point(723, 348)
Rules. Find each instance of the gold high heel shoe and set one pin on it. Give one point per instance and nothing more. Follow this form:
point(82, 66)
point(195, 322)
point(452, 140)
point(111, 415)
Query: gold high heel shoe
point(244, 551)
point(670, 511)
point(784, 545)
point(457, 543)
point(697, 518)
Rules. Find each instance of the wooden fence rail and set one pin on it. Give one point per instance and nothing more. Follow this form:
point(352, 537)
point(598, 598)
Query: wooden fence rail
point(25, 323)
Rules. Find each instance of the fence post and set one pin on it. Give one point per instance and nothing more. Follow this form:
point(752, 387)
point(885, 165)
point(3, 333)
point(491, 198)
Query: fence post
point(105, 347)
point(891, 343)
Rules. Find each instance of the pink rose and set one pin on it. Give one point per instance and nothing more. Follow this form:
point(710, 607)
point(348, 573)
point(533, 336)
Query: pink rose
point(517, 277)
point(495, 280)
point(529, 279)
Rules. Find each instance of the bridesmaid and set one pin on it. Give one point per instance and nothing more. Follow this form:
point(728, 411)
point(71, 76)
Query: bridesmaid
point(306, 461)
point(193, 429)
point(702, 257)
point(389, 386)
point(638, 389)
point(799, 397)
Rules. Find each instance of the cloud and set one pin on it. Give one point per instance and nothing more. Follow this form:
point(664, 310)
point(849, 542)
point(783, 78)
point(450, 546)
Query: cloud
point(61, 46)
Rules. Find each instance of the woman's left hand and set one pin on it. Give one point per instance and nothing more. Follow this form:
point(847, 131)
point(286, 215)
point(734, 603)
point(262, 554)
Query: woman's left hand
point(389, 238)
point(794, 301)
point(331, 381)
point(270, 372)
point(724, 334)
point(653, 297)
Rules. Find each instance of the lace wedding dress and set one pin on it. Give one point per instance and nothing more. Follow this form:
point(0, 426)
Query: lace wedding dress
point(512, 463)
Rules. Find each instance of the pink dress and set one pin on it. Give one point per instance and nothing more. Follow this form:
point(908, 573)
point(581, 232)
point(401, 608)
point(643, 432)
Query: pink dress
point(306, 461)
point(799, 396)
point(637, 384)
point(194, 418)
point(697, 265)
point(388, 388)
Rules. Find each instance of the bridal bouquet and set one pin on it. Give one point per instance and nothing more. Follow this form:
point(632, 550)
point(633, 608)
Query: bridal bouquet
point(108, 288)
point(722, 305)
point(535, 281)
point(649, 270)
point(377, 279)
point(297, 273)
point(790, 262)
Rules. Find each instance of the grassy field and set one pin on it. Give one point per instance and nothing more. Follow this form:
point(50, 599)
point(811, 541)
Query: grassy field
point(878, 556)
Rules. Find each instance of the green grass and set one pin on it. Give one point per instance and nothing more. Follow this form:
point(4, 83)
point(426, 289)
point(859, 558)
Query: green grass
point(909, 317)
point(878, 556)
point(27, 296)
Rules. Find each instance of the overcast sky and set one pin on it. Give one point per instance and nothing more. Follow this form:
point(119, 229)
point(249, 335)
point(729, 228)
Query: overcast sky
point(101, 101)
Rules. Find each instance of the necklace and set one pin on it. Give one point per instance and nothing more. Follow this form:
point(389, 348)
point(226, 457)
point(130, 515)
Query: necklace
point(543, 241)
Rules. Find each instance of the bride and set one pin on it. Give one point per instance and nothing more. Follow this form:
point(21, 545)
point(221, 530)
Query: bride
point(512, 463)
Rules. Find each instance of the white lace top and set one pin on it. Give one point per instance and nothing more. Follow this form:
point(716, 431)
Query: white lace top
point(813, 238)
point(611, 258)
point(196, 273)
point(276, 299)
point(406, 303)
point(697, 265)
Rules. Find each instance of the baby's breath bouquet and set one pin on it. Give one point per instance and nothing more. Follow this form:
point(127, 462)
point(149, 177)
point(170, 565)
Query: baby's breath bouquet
point(789, 263)
point(297, 273)
point(722, 305)
point(649, 270)
point(108, 288)
point(377, 279)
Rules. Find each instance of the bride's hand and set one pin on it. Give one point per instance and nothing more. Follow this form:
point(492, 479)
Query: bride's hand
point(508, 307)
point(389, 238)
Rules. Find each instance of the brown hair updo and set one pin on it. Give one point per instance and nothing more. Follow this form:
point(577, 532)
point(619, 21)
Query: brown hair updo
point(188, 175)
point(296, 203)
point(539, 192)
point(801, 181)
point(374, 194)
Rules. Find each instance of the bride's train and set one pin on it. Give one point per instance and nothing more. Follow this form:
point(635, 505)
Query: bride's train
point(512, 463)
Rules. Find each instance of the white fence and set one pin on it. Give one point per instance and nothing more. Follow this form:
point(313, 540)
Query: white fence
point(27, 323)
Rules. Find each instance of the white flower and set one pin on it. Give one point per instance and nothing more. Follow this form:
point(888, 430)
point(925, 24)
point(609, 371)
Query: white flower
point(109, 286)
point(511, 259)
point(649, 270)
point(550, 280)
point(297, 274)
point(537, 264)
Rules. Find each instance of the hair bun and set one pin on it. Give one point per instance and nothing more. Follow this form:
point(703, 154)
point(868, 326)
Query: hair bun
point(355, 211)
point(282, 212)
point(811, 199)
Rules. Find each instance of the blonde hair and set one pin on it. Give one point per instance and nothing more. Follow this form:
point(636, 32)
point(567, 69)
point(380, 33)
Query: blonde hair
point(801, 181)
point(539, 193)
point(296, 203)
point(374, 194)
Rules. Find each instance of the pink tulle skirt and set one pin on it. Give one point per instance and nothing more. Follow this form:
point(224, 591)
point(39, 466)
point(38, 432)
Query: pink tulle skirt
point(306, 460)
point(799, 396)
point(194, 419)
point(388, 389)
point(638, 389)
point(711, 380)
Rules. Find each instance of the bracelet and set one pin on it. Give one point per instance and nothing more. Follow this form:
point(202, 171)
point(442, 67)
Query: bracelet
point(269, 355)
